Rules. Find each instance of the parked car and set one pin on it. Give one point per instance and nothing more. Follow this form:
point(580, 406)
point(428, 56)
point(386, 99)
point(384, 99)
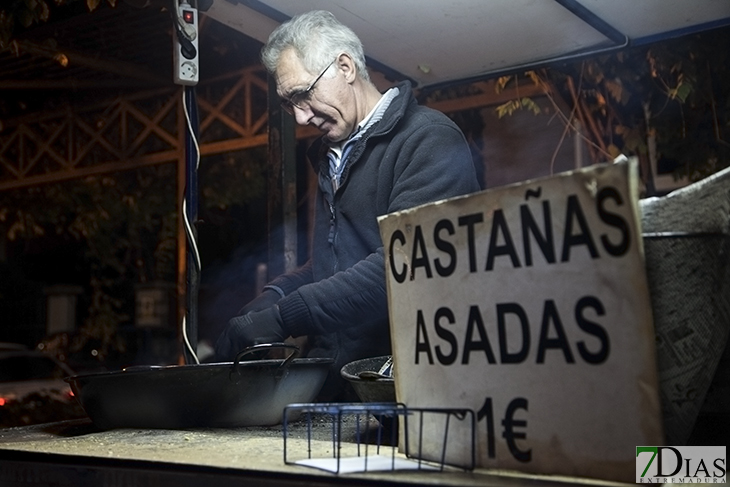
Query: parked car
point(32, 389)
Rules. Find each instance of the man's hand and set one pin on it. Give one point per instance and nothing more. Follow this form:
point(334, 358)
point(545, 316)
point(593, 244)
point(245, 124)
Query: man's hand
point(266, 299)
point(250, 329)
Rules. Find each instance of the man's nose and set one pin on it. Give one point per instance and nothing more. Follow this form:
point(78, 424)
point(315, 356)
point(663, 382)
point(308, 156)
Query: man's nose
point(303, 115)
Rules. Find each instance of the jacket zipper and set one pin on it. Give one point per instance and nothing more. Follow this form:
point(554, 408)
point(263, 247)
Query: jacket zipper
point(333, 236)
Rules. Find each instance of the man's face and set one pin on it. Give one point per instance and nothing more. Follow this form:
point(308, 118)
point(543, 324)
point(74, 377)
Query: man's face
point(331, 105)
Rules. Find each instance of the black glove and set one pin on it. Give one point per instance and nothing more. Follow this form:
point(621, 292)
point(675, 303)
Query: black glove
point(266, 299)
point(250, 329)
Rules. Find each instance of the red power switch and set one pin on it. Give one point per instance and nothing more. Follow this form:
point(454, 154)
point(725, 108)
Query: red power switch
point(188, 16)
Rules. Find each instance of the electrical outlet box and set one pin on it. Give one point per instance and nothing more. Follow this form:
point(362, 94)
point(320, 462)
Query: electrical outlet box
point(186, 66)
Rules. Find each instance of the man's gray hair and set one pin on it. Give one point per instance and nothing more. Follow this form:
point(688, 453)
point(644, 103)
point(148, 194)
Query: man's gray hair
point(317, 38)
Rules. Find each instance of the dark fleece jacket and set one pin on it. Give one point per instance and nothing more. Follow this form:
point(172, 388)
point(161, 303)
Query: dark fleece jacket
point(414, 155)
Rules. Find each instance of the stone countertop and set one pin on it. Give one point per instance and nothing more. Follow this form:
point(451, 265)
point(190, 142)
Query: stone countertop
point(246, 449)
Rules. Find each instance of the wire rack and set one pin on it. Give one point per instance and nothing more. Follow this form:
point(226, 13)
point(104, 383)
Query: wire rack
point(350, 437)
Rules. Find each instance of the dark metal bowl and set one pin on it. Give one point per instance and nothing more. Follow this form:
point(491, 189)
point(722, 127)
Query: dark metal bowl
point(368, 386)
point(229, 394)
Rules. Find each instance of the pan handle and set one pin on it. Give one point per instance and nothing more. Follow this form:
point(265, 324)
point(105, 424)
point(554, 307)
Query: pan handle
point(265, 346)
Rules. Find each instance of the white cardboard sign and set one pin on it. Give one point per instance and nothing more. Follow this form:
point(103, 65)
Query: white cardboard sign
point(529, 304)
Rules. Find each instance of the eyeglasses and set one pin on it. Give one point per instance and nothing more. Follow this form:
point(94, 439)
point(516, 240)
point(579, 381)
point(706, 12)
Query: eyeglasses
point(301, 97)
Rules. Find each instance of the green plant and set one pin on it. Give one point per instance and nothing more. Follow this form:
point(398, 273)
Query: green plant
point(667, 103)
point(17, 15)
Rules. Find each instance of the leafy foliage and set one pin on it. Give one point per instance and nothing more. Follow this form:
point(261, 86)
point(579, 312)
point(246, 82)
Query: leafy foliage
point(521, 103)
point(511, 106)
point(233, 178)
point(672, 96)
point(17, 15)
point(126, 223)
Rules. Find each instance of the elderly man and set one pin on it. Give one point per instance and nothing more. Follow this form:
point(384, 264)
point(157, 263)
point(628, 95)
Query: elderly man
point(379, 153)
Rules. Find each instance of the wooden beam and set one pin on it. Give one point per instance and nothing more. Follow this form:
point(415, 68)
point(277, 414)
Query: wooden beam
point(31, 118)
point(114, 66)
point(71, 84)
point(486, 99)
point(96, 170)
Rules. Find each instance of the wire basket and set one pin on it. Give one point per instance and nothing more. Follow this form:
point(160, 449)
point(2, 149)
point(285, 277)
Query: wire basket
point(362, 437)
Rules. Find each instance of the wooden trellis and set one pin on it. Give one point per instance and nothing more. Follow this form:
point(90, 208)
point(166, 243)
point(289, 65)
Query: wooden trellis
point(148, 128)
point(137, 130)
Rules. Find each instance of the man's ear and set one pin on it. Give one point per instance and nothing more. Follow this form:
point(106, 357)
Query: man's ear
point(347, 67)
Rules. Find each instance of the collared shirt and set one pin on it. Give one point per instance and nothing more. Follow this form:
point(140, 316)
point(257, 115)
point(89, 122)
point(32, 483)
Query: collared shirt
point(339, 151)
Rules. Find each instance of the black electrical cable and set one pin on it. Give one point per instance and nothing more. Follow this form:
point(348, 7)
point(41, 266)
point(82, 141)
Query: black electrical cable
point(187, 49)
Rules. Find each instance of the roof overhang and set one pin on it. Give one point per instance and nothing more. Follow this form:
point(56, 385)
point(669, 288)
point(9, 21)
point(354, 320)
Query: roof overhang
point(434, 43)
